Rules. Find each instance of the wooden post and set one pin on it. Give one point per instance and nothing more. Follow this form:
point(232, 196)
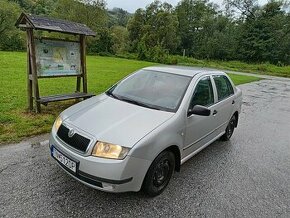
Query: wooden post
point(29, 81)
point(78, 89)
point(33, 67)
point(83, 62)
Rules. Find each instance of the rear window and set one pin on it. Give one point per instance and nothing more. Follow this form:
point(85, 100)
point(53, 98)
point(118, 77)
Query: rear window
point(224, 87)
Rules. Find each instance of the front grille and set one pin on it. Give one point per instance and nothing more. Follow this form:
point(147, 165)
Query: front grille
point(76, 141)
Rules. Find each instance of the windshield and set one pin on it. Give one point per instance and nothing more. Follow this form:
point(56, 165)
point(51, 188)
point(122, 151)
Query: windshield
point(152, 89)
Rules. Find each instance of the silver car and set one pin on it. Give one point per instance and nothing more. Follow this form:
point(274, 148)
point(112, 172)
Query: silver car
point(136, 134)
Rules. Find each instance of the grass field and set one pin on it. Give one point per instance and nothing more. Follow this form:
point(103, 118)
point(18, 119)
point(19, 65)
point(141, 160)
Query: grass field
point(264, 68)
point(16, 123)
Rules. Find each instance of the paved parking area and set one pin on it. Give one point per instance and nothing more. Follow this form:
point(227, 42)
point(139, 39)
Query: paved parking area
point(246, 177)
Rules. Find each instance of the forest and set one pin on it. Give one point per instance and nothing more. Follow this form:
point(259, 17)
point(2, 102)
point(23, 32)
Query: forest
point(238, 30)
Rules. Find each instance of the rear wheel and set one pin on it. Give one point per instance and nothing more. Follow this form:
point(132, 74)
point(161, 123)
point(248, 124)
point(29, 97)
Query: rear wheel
point(159, 174)
point(230, 129)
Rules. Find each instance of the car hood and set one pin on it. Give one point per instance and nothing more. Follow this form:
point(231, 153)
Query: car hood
point(114, 121)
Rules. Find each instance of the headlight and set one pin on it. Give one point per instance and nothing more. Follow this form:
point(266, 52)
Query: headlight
point(57, 124)
point(111, 151)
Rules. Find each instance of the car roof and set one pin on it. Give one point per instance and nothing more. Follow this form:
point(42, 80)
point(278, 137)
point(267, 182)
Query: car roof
point(184, 71)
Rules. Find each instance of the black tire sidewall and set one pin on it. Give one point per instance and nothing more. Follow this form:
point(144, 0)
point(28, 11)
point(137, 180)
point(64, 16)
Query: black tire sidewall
point(148, 186)
point(226, 136)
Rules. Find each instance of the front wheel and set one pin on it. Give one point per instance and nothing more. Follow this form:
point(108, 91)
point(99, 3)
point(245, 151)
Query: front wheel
point(230, 129)
point(159, 174)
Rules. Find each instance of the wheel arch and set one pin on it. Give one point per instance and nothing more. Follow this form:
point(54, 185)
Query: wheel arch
point(176, 151)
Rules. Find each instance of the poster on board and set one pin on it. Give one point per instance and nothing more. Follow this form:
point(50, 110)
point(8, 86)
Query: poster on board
point(57, 58)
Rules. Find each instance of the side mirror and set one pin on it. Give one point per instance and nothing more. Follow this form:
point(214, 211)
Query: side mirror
point(199, 110)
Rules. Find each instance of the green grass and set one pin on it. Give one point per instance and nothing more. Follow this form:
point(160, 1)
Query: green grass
point(241, 79)
point(16, 123)
point(262, 69)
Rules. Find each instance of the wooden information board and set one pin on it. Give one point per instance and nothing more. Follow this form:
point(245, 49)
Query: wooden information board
point(57, 58)
point(50, 58)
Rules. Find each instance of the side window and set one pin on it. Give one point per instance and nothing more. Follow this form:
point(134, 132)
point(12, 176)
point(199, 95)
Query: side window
point(224, 87)
point(203, 93)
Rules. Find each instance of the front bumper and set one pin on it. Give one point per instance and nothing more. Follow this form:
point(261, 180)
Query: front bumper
point(104, 174)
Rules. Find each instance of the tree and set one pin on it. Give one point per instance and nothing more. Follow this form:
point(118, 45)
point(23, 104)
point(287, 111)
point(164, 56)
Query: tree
point(43, 7)
point(192, 16)
point(23, 4)
point(161, 26)
point(118, 17)
point(103, 44)
point(153, 31)
point(243, 30)
point(10, 37)
point(135, 28)
point(218, 39)
point(265, 37)
point(120, 38)
point(246, 8)
point(91, 13)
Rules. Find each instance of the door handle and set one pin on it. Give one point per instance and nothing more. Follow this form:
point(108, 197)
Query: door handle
point(233, 102)
point(214, 112)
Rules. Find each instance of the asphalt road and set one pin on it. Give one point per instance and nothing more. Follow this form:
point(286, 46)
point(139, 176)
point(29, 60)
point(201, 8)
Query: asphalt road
point(246, 177)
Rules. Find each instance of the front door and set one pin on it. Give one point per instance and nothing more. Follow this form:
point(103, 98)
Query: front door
point(199, 128)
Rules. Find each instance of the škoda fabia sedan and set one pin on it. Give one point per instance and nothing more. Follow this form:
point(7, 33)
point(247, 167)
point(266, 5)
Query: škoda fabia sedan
point(141, 130)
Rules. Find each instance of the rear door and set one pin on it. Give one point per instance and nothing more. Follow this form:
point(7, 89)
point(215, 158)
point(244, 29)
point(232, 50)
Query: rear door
point(224, 108)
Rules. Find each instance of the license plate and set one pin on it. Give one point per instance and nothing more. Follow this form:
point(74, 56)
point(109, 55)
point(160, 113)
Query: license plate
point(65, 161)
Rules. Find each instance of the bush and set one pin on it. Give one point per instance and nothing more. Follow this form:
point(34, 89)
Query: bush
point(171, 60)
point(155, 54)
point(13, 42)
point(105, 54)
point(131, 56)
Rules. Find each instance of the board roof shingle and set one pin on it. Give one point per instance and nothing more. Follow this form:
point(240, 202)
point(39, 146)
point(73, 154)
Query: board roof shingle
point(52, 24)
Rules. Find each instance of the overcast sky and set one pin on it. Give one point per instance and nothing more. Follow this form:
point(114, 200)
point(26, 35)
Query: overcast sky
point(132, 5)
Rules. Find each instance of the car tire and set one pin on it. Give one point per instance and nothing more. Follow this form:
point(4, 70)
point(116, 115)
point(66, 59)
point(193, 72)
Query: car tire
point(230, 129)
point(159, 174)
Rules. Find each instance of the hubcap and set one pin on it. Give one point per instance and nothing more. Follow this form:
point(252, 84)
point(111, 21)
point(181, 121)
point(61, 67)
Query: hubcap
point(161, 173)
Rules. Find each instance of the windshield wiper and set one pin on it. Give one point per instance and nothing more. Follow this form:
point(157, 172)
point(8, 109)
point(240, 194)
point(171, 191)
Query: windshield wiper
point(109, 93)
point(138, 103)
point(112, 95)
